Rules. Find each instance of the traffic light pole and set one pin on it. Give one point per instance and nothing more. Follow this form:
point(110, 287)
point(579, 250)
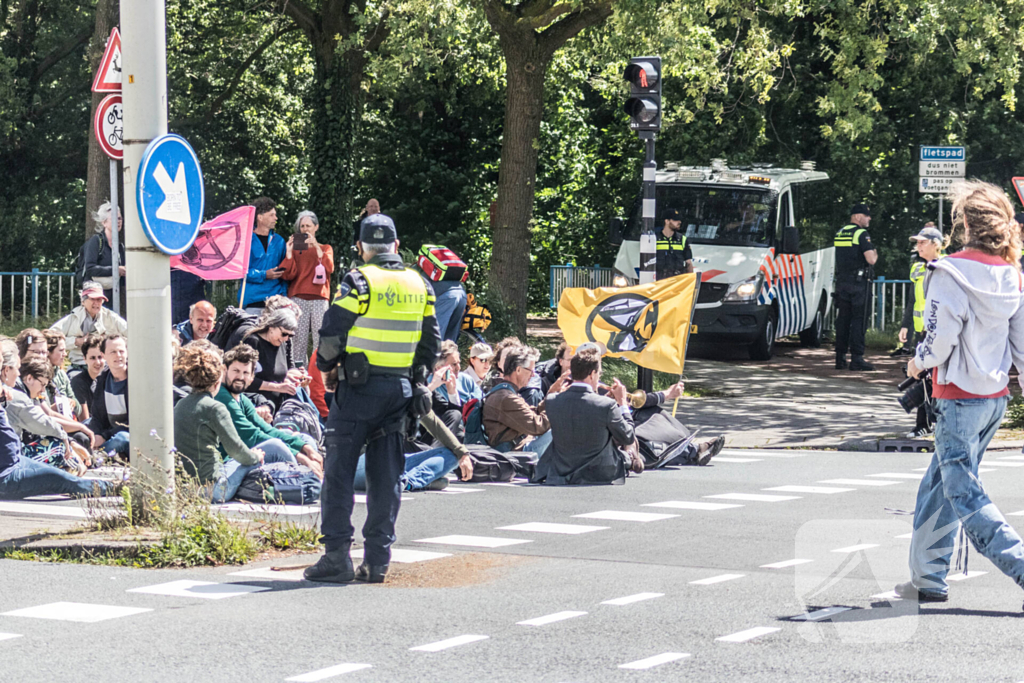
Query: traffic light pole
point(648, 238)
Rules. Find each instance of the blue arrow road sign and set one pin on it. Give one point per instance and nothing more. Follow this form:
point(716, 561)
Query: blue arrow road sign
point(169, 194)
point(942, 153)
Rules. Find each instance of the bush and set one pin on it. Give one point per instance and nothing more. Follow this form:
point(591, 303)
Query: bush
point(1014, 418)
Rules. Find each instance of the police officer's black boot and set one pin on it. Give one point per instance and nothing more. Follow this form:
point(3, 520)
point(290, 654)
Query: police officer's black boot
point(333, 567)
point(858, 363)
point(371, 573)
point(840, 361)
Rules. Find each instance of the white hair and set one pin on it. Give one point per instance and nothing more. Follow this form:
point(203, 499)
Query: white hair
point(306, 214)
point(9, 353)
point(101, 214)
point(376, 249)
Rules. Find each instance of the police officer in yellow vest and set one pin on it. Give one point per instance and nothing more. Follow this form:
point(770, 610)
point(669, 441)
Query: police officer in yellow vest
point(855, 255)
point(381, 337)
point(674, 255)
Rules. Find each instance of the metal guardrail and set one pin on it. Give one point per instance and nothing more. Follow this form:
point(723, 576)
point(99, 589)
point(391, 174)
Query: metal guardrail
point(889, 298)
point(569, 275)
point(36, 293)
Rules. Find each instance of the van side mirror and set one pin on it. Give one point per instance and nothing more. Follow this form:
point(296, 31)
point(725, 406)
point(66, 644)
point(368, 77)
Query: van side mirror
point(790, 240)
point(615, 231)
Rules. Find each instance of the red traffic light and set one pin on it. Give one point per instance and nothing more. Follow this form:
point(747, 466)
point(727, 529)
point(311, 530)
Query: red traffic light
point(642, 74)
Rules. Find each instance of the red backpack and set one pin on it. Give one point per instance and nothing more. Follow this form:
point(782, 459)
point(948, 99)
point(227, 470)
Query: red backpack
point(442, 264)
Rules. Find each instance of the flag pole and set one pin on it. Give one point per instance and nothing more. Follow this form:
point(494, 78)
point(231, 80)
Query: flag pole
point(686, 341)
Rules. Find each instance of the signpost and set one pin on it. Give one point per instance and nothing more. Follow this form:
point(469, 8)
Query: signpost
point(108, 127)
point(1018, 184)
point(939, 168)
point(170, 206)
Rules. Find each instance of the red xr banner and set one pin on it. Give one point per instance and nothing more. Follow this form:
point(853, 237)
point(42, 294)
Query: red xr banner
point(221, 251)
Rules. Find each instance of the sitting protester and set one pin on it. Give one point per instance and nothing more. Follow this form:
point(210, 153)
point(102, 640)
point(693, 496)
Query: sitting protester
point(50, 446)
point(589, 432)
point(203, 426)
point(59, 393)
point(547, 373)
point(659, 433)
point(427, 469)
point(31, 344)
point(508, 420)
point(497, 361)
point(89, 318)
point(83, 385)
point(471, 379)
point(202, 316)
point(239, 366)
point(109, 406)
point(445, 401)
point(277, 377)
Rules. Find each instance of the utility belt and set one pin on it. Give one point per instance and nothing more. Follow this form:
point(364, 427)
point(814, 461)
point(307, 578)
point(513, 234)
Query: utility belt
point(859, 276)
point(355, 369)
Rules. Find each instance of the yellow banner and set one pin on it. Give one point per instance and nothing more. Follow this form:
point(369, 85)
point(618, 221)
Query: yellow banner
point(647, 324)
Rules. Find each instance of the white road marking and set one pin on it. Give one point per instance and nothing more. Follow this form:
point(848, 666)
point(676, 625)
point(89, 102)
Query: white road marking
point(820, 614)
point(717, 579)
point(450, 491)
point(888, 595)
point(727, 459)
point(49, 497)
point(691, 505)
point(1012, 457)
point(981, 470)
point(474, 541)
point(256, 509)
point(785, 563)
point(859, 482)
point(623, 516)
point(359, 498)
point(756, 497)
point(547, 528)
point(897, 475)
point(550, 618)
point(654, 661)
point(283, 574)
point(808, 489)
point(961, 576)
point(999, 463)
point(1015, 514)
point(45, 510)
point(749, 634)
point(9, 636)
point(329, 672)
point(910, 535)
point(405, 555)
point(773, 453)
point(855, 548)
point(76, 611)
point(199, 589)
point(445, 644)
point(630, 599)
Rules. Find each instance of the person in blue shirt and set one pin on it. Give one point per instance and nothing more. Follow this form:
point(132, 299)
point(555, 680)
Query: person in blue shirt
point(470, 380)
point(266, 254)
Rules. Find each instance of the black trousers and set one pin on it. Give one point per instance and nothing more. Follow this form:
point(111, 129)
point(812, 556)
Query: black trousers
point(851, 304)
point(369, 415)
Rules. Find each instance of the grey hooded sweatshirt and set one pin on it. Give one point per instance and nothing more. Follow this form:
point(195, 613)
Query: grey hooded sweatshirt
point(973, 322)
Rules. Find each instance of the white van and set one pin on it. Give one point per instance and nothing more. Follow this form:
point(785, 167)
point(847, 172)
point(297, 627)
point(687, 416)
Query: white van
point(763, 240)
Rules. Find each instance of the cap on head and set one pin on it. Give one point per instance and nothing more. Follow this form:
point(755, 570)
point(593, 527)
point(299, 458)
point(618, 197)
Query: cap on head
point(377, 229)
point(672, 215)
point(93, 290)
point(860, 208)
point(930, 234)
point(482, 351)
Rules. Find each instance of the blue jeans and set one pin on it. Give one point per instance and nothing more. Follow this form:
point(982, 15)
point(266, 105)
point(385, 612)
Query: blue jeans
point(420, 468)
point(449, 308)
point(27, 478)
point(274, 450)
point(538, 445)
point(117, 443)
point(951, 494)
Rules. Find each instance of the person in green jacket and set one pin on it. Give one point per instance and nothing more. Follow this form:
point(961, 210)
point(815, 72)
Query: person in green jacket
point(239, 369)
point(202, 425)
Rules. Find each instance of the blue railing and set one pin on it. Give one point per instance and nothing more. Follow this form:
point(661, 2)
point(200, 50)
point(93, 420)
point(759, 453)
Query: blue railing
point(40, 292)
point(575, 276)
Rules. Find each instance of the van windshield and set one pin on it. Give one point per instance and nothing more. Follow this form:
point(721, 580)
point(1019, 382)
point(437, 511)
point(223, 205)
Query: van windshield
point(737, 216)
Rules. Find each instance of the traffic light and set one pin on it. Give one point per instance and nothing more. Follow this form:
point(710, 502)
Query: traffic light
point(644, 103)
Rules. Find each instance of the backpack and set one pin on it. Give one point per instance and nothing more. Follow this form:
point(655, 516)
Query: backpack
point(284, 483)
point(80, 261)
point(473, 416)
point(299, 416)
point(492, 465)
point(229, 321)
point(477, 317)
point(662, 439)
point(442, 264)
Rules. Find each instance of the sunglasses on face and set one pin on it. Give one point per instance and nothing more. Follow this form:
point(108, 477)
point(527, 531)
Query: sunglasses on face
point(285, 334)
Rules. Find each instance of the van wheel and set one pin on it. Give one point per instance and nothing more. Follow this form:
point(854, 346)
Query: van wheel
point(764, 346)
point(813, 334)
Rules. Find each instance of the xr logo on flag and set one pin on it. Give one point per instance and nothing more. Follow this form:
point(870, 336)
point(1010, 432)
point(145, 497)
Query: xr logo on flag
point(623, 322)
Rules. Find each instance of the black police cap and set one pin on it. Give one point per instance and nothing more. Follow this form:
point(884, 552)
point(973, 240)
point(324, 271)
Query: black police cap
point(860, 208)
point(377, 229)
point(672, 215)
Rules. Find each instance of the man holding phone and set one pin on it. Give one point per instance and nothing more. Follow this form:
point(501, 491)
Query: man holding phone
point(266, 254)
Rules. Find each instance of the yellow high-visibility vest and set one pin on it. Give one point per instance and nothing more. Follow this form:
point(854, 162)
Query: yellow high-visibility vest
point(849, 235)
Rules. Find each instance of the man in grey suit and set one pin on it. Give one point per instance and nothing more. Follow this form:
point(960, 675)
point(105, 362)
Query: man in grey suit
point(588, 430)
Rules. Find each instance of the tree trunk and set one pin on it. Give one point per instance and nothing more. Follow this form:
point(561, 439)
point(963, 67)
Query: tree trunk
point(97, 186)
point(517, 175)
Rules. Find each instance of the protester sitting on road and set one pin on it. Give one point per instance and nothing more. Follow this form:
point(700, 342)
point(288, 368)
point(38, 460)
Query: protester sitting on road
point(60, 387)
point(25, 415)
point(22, 477)
point(445, 400)
point(471, 379)
point(89, 318)
point(277, 377)
point(203, 429)
point(50, 446)
point(109, 406)
point(97, 255)
point(508, 420)
point(36, 376)
point(547, 373)
point(500, 349)
point(589, 432)
point(239, 366)
point(31, 344)
point(308, 273)
point(202, 316)
point(83, 385)
point(274, 303)
point(646, 422)
point(267, 249)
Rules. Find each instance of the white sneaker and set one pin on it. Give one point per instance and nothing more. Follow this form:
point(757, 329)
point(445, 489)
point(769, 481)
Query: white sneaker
point(918, 433)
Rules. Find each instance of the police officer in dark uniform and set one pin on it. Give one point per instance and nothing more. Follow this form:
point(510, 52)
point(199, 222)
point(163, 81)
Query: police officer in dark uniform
point(855, 256)
point(674, 254)
point(380, 336)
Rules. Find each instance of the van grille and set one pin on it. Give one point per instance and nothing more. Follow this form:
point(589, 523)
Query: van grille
point(711, 292)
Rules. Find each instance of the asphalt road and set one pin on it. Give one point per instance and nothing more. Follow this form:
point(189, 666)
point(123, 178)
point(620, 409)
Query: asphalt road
point(683, 595)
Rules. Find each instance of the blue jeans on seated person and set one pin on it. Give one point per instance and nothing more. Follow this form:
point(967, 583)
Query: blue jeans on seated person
point(951, 494)
point(274, 450)
point(537, 445)
point(26, 478)
point(117, 443)
point(420, 468)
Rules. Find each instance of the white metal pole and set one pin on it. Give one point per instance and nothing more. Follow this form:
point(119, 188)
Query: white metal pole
point(144, 69)
point(115, 241)
point(941, 210)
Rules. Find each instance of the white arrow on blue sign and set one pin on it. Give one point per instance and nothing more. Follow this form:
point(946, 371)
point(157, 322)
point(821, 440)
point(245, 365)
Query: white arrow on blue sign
point(931, 153)
point(169, 194)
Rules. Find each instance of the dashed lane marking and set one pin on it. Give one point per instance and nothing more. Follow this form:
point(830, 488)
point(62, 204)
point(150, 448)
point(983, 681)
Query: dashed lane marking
point(329, 672)
point(199, 589)
point(445, 644)
point(855, 548)
point(474, 541)
point(623, 516)
point(359, 498)
point(630, 599)
point(550, 618)
point(785, 563)
point(547, 528)
point(454, 492)
point(772, 453)
point(962, 577)
point(282, 574)
point(656, 660)
point(254, 509)
point(405, 555)
point(691, 505)
point(859, 482)
point(1019, 513)
point(888, 595)
point(897, 475)
point(1000, 463)
point(981, 470)
point(755, 497)
point(717, 579)
point(1012, 457)
point(808, 489)
point(9, 636)
point(910, 535)
point(728, 459)
point(821, 614)
point(76, 611)
point(749, 634)
point(45, 510)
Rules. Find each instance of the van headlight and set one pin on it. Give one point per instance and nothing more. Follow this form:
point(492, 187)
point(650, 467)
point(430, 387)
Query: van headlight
point(745, 290)
point(619, 281)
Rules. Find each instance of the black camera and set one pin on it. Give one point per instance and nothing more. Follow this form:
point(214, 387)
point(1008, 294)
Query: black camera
point(915, 392)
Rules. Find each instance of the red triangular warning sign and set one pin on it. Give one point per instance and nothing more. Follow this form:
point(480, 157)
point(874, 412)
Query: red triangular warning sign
point(108, 76)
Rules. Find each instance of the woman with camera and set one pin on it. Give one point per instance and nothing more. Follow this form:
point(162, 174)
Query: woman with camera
point(974, 328)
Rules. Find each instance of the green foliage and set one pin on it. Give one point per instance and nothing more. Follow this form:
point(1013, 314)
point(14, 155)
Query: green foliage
point(1014, 418)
